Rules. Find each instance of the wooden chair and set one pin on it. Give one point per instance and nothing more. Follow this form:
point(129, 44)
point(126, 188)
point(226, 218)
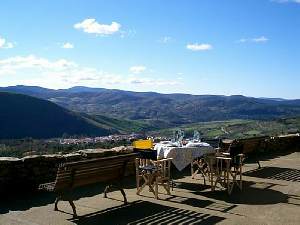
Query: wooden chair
point(236, 171)
point(201, 164)
point(153, 173)
point(149, 170)
point(226, 170)
point(145, 171)
point(218, 170)
point(201, 168)
point(235, 152)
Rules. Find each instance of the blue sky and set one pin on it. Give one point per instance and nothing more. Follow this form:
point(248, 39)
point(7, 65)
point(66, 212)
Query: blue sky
point(248, 47)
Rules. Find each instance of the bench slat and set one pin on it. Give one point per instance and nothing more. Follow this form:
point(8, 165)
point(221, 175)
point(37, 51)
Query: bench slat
point(99, 165)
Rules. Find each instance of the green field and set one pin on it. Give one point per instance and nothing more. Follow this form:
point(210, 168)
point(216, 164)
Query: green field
point(237, 128)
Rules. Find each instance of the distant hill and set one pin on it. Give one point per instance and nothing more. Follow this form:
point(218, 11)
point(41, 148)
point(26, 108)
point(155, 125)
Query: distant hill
point(121, 125)
point(163, 110)
point(25, 116)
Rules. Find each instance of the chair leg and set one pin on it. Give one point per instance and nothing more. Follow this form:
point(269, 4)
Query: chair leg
point(137, 181)
point(227, 175)
point(230, 188)
point(212, 180)
point(203, 175)
point(156, 190)
point(141, 188)
point(167, 187)
point(241, 177)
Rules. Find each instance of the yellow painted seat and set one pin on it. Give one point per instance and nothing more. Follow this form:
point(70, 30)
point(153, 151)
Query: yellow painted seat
point(143, 144)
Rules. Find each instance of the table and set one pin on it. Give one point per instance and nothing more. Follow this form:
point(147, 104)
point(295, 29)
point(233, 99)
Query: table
point(182, 156)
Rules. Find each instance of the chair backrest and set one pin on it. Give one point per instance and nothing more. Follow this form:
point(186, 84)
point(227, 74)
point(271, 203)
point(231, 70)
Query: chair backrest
point(235, 148)
point(145, 149)
point(142, 162)
point(214, 142)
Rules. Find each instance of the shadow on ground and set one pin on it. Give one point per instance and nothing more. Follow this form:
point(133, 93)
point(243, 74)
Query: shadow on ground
point(194, 187)
point(143, 212)
point(252, 194)
point(201, 203)
point(276, 173)
point(268, 156)
point(21, 201)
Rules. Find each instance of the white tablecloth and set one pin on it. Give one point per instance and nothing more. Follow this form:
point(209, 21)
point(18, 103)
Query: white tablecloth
point(182, 156)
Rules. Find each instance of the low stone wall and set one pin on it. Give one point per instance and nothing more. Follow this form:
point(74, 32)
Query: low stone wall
point(266, 144)
point(25, 174)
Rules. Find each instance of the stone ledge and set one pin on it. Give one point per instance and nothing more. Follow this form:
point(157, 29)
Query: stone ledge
point(30, 171)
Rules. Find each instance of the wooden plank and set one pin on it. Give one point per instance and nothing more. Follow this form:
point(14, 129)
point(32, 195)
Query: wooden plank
point(93, 165)
point(104, 159)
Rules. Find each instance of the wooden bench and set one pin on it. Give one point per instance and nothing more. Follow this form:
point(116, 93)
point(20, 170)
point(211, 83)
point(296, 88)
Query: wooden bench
point(248, 146)
point(70, 175)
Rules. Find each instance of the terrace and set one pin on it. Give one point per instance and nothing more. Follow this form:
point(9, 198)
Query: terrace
point(271, 195)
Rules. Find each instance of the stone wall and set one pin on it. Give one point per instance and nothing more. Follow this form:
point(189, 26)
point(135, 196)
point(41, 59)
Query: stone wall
point(18, 175)
point(266, 144)
point(25, 174)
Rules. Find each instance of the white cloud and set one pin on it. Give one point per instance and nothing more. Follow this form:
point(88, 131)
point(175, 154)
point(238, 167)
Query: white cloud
point(165, 40)
point(137, 69)
point(5, 44)
point(152, 82)
point(260, 39)
point(286, 1)
point(67, 45)
point(9, 45)
point(2, 42)
point(127, 33)
point(62, 73)
point(199, 47)
point(91, 26)
point(242, 40)
point(32, 62)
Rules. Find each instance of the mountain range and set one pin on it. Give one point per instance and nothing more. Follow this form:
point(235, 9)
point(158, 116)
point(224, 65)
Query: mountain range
point(162, 110)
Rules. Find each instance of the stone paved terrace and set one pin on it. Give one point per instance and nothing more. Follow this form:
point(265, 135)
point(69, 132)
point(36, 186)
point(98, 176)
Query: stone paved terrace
point(271, 195)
